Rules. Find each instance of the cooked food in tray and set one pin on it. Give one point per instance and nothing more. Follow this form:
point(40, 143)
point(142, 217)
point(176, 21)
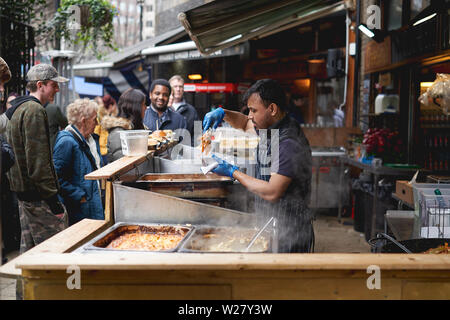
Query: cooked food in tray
point(444, 249)
point(224, 239)
point(143, 238)
point(146, 241)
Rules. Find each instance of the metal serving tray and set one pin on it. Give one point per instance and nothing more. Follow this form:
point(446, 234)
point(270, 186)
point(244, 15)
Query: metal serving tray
point(199, 238)
point(100, 242)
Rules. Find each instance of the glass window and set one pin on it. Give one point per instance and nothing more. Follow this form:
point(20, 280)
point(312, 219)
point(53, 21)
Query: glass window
point(417, 6)
point(394, 15)
point(149, 8)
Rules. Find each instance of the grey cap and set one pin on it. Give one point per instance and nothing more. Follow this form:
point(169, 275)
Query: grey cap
point(42, 72)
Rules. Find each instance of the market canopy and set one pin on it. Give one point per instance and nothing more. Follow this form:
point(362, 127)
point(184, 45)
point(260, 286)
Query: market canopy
point(223, 23)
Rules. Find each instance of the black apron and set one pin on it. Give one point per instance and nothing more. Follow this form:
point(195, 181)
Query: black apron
point(295, 230)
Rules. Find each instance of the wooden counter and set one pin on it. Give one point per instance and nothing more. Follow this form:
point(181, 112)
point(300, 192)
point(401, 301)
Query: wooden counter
point(222, 276)
point(216, 276)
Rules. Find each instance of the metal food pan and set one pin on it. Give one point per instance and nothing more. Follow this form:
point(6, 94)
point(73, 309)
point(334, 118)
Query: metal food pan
point(197, 242)
point(101, 242)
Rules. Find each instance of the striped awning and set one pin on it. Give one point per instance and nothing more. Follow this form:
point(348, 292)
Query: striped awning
point(223, 23)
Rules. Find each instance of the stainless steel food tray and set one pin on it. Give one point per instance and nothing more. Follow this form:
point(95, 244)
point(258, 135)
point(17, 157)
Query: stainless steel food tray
point(100, 242)
point(193, 241)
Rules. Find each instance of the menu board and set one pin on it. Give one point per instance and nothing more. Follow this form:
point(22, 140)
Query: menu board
point(377, 55)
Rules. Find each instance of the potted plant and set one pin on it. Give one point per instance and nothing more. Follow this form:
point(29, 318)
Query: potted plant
point(385, 144)
point(85, 22)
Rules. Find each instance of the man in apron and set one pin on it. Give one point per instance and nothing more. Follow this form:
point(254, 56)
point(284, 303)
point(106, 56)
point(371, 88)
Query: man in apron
point(282, 185)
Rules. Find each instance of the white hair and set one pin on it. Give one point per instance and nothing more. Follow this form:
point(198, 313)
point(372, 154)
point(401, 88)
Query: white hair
point(80, 108)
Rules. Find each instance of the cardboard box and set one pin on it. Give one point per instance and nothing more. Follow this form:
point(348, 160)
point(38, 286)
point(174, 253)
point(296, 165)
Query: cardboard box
point(404, 191)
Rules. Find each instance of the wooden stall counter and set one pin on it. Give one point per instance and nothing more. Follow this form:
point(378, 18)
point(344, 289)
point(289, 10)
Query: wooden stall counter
point(60, 269)
point(48, 268)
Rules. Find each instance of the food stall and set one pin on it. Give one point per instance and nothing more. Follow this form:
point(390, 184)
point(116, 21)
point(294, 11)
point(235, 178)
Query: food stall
point(189, 272)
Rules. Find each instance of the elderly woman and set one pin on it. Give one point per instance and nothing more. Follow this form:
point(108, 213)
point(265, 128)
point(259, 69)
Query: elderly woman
point(131, 103)
point(77, 153)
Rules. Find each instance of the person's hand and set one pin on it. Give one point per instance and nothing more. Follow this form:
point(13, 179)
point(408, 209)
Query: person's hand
point(213, 119)
point(224, 168)
point(83, 200)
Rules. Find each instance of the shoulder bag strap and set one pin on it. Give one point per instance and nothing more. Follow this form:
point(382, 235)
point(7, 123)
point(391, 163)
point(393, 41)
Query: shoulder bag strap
point(84, 148)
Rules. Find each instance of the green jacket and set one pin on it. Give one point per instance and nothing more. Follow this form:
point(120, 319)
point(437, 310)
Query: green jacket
point(33, 176)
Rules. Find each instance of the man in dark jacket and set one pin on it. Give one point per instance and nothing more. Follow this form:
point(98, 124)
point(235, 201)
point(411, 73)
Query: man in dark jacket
point(158, 115)
point(10, 226)
point(282, 186)
point(33, 176)
point(181, 106)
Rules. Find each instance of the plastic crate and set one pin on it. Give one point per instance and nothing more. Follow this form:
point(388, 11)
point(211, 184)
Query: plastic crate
point(434, 213)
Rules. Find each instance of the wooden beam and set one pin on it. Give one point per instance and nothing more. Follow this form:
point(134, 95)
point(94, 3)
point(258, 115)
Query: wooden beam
point(118, 167)
point(349, 107)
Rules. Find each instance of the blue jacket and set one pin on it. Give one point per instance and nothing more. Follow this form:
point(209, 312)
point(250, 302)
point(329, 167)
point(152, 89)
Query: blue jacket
point(170, 120)
point(72, 164)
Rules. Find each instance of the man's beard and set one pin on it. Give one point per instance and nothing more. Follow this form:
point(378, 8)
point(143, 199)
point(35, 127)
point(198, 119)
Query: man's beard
point(160, 109)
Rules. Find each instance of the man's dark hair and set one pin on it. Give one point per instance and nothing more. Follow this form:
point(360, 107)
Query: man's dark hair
point(32, 85)
point(161, 82)
point(270, 91)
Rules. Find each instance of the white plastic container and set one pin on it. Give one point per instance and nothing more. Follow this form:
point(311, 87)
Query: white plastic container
point(386, 103)
point(134, 142)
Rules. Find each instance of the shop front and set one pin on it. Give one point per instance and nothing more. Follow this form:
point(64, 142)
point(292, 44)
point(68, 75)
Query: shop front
point(403, 131)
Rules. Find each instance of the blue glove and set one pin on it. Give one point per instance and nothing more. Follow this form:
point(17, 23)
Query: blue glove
point(213, 118)
point(224, 168)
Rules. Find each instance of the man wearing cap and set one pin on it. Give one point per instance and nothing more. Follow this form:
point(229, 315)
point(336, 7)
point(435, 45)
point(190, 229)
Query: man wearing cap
point(33, 176)
point(158, 116)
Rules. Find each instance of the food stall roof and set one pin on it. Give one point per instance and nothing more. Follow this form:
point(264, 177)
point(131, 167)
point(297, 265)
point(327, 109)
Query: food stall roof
point(224, 23)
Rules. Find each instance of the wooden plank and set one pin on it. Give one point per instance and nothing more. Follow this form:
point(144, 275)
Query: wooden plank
point(184, 177)
point(109, 202)
point(349, 107)
point(50, 291)
point(314, 288)
point(61, 242)
point(235, 284)
point(118, 167)
point(420, 289)
point(377, 55)
point(194, 261)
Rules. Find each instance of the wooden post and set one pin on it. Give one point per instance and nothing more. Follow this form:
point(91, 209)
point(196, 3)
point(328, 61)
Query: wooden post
point(348, 122)
point(109, 203)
